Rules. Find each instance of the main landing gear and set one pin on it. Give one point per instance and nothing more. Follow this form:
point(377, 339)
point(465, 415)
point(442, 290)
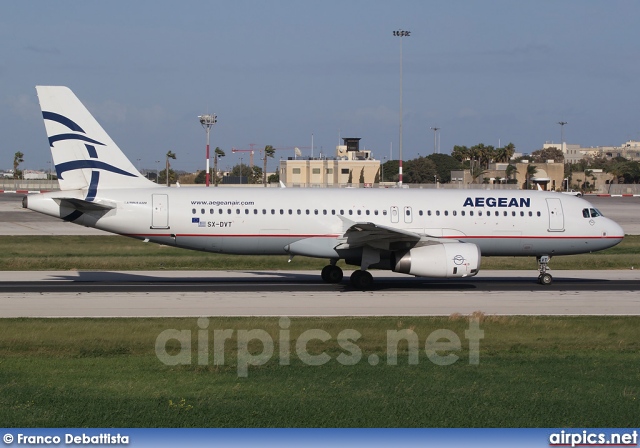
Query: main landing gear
point(544, 278)
point(332, 273)
point(360, 279)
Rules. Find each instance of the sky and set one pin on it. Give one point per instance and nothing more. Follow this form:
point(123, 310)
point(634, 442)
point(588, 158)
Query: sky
point(289, 73)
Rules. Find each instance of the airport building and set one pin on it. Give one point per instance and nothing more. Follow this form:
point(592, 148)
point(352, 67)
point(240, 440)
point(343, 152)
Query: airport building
point(349, 167)
point(630, 150)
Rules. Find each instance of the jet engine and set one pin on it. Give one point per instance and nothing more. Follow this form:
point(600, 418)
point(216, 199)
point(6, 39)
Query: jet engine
point(442, 260)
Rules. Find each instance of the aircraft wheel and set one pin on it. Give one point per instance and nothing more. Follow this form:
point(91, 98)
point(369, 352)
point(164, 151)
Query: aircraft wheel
point(332, 274)
point(545, 279)
point(362, 280)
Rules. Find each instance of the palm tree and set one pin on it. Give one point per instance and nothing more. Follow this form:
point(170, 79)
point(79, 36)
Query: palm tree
point(18, 158)
point(269, 151)
point(531, 171)
point(170, 155)
point(511, 171)
point(216, 154)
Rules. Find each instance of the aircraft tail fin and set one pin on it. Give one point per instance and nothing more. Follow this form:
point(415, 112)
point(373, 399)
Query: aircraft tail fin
point(84, 155)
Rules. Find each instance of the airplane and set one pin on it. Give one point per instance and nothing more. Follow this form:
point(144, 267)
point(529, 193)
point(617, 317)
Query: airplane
point(426, 233)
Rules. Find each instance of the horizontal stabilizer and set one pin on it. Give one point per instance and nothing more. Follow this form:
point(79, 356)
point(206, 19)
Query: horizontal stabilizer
point(85, 206)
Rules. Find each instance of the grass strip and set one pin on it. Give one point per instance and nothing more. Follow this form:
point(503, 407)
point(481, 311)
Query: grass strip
point(532, 372)
point(37, 253)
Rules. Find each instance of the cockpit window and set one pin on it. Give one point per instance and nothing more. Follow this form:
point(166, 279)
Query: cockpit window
point(585, 212)
point(595, 213)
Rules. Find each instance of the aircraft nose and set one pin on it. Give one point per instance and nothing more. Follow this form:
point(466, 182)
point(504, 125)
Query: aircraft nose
point(614, 230)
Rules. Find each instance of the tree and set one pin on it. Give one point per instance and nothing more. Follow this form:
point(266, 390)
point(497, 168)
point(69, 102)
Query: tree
point(269, 151)
point(350, 179)
point(274, 178)
point(361, 179)
point(376, 179)
point(444, 165)
point(510, 172)
point(170, 155)
point(162, 177)
point(217, 153)
point(551, 153)
point(420, 171)
point(245, 171)
point(390, 171)
point(460, 153)
point(531, 171)
point(18, 158)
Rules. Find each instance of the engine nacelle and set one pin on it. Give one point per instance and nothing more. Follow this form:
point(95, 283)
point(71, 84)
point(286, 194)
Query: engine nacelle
point(438, 260)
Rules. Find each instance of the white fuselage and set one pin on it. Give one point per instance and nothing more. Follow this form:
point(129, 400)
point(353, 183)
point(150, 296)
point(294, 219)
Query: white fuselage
point(312, 221)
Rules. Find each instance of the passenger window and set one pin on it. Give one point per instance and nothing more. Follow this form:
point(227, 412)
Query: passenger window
point(505, 213)
point(384, 212)
point(454, 213)
point(446, 213)
point(367, 213)
point(315, 212)
point(530, 213)
point(462, 212)
point(282, 211)
point(202, 211)
point(521, 213)
point(299, 212)
point(342, 212)
point(359, 212)
point(420, 212)
point(513, 213)
point(480, 213)
point(255, 211)
point(437, 212)
point(471, 213)
point(193, 210)
point(538, 213)
point(246, 211)
point(237, 211)
point(488, 213)
point(264, 211)
point(229, 211)
point(375, 212)
point(429, 212)
point(211, 211)
point(333, 212)
point(351, 212)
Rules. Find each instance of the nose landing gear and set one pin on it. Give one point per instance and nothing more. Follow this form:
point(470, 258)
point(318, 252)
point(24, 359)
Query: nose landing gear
point(543, 264)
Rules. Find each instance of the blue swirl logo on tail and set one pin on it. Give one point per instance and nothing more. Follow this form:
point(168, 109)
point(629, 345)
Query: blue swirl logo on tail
point(95, 165)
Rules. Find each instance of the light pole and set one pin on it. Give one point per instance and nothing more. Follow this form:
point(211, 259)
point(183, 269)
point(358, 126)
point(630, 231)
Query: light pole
point(435, 139)
point(385, 161)
point(207, 121)
point(562, 123)
point(400, 34)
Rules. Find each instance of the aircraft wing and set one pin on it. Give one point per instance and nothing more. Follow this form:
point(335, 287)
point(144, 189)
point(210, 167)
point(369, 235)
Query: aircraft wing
point(359, 234)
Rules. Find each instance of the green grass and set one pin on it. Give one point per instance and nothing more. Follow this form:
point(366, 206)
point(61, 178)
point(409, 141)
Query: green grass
point(121, 253)
point(533, 372)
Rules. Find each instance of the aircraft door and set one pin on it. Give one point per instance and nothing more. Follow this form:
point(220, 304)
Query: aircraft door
point(408, 215)
point(160, 211)
point(395, 214)
point(556, 216)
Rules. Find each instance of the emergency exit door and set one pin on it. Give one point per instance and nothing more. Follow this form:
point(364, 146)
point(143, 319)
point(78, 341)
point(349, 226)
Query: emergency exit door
point(556, 217)
point(160, 211)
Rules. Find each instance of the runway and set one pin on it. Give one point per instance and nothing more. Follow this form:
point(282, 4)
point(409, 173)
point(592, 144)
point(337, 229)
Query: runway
point(296, 293)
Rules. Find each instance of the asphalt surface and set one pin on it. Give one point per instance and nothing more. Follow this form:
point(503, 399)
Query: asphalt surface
point(290, 293)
